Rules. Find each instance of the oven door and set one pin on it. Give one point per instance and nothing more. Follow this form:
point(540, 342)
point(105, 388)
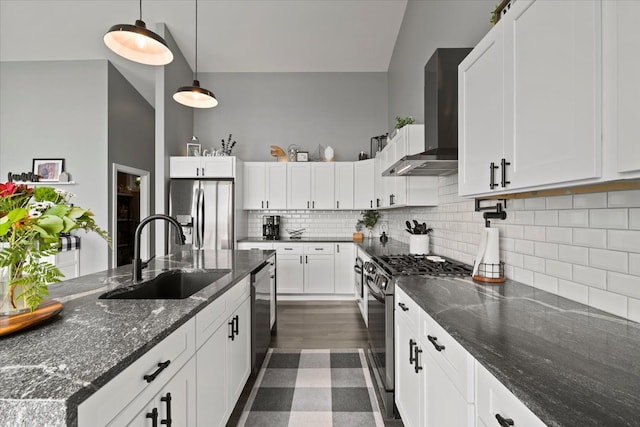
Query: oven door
point(380, 330)
point(358, 282)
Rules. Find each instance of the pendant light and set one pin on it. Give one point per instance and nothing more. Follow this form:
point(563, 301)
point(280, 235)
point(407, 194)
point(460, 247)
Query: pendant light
point(138, 44)
point(194, 95)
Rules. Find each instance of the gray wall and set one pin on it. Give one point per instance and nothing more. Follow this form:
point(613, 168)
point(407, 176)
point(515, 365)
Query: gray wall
point(428, 25)
point(341, 110)
point(131, 131)
point(174, 125)
point(59, 110)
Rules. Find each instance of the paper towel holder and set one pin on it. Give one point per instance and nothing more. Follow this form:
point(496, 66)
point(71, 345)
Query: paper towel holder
point(498, 213)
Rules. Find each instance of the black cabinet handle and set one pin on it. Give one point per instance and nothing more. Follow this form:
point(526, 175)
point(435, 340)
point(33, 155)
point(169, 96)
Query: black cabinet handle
point(267, 204)
point(300, 259)
point(161, 367)
point(167, 399)
point(262, 204)
point(236, 328)
point(337, 204)
point(492, 178)
point(154, 417)
point(417, 351)
point(403, 307)
point(306, 259)
point(313, 204)
point(391, 199)
point(307, 204)
point(434, 341)
point(377, 203)
point(504, 422)
point(288, 249)
point(202, 171)
point(371, 203)
point(411, 344)
point(232, 335)
point(504, 165)
point(197, 171)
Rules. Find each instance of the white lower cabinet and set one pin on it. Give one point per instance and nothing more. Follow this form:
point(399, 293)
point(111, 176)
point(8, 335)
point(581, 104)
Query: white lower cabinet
point(409, 390)
point(344, 262)
point(498, 406)
point(319, 265)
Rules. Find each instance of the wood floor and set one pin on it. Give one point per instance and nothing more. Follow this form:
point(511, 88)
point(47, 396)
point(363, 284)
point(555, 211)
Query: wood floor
point(319, 324)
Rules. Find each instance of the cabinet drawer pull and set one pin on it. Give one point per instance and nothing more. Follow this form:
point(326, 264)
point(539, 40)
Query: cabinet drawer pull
point(504, 422)
point(434, 341)
point(161, 367)
point(267, 204)
point(411, 344)
point(313, 204)
point(306, 259)
point(503, 181)
point(337, 204)
point(403, 306)
point(236, 328)
point(417, 351)
point(492, 178)
point(288, 249)
point(371, 203)
point(307, 204)
point(231, 334)
point(319, 249)
point(300, 259)
point(154, 417)
point(167, 400)
point(262, 204)
point(338, 248)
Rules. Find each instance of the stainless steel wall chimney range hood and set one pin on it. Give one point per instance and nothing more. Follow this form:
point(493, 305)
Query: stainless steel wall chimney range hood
point(440, 156)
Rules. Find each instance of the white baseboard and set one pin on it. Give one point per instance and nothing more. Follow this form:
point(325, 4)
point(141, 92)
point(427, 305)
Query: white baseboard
point(315, 297)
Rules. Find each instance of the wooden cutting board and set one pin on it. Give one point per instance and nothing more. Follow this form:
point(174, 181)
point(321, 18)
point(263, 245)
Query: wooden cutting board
point(17, 322)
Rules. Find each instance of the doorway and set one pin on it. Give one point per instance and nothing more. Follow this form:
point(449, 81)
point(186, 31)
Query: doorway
point(130, 203)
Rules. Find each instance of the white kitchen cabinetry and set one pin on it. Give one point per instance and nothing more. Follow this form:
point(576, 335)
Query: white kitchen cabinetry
point(323, 185)
point(298, 186)
point(344, 185)
point(263, 246)
point(319, 267)
point(202, 167)
point(68, 262)
point(547, 109)
point(364, 178)
point(289, 268)
point(265, 185)
point(344, 262)
point(223, 358)
point(496, 403)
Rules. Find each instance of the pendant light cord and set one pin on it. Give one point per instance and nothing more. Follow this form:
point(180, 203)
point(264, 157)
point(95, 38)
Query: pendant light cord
point(195, 76)
point(141, 10)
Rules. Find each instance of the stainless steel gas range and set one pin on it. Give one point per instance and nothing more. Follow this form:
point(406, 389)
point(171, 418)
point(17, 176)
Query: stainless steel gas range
point(380, 276)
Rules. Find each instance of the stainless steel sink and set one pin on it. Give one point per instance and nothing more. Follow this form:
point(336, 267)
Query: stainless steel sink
point(174, 284)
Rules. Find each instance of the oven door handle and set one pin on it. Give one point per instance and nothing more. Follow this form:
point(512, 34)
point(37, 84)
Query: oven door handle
point(374, 292)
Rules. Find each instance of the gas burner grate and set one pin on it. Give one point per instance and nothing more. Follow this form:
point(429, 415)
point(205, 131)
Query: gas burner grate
point(413, 265)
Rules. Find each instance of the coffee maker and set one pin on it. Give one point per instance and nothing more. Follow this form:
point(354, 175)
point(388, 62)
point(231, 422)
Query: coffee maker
point(271, 227)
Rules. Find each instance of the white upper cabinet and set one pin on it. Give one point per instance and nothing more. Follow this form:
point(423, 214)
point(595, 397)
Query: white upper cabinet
point(344, 185)
point(480, 114)
point(298, 185)
point(530, 100)
point(621, 68)
point(553, 86)
point(364, 178)
point(265, 185)
point(323, 185)
point(202, 167)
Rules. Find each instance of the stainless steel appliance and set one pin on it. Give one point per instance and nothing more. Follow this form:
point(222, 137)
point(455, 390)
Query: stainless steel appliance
point(359, 283)
point(380, 275)
point(440, 156)
point(204, 209)
point(271, 227)
point(260, 315)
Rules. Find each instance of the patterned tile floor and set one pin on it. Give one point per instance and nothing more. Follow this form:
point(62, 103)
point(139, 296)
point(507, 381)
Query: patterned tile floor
point(313, 388)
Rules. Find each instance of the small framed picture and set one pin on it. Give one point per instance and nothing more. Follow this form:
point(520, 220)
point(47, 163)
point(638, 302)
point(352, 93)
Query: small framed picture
point(302, 156)
point(48, 169)
point(193, 150)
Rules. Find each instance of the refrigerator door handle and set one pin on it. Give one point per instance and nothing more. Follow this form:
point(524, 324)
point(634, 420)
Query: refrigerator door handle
point(201, 217)
point(194, 215)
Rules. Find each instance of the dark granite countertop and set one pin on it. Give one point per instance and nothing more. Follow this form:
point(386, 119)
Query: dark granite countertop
point(46, 372)
point(305, 239)
point(572, 365)
point(374, 247)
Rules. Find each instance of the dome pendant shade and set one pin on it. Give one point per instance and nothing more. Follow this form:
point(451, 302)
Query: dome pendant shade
point(195, 96)
point(138, 44)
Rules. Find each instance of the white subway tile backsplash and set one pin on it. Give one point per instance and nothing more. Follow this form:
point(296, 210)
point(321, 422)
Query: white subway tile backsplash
point(546, 250)
point(573, 291)
point(573, 218)
point(573, 254)
point(634, 264)
point(590, 276)
point(624, 199)
point(532, 232)
point(514, 231)
point(546, 283)
point(559, 235)
point(634, 309)
point(534, 203)
point(524, 217)
point(533, 263)
point(624, 240)
point(590, 237)
point(513, 259)
point(560, 269)
point(594, 200)
point(609, 218)
point(634, 219)
point(609, 260)
point(523, 276)
point(623, 284)
point(546, 217)
point(524, 246)
point(608, 301)
point(559, 202)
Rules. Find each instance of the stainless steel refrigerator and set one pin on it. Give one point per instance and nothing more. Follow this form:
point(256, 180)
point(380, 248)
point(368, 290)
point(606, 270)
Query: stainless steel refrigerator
point(204, 208)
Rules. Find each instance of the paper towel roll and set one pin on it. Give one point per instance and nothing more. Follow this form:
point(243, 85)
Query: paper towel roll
point(492, 253)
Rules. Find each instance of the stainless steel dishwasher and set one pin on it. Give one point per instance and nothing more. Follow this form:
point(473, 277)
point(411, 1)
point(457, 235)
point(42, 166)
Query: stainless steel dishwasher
point(260, 315)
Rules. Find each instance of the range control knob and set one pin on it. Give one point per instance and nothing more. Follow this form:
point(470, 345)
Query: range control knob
point(369, 267)
point(382, 282)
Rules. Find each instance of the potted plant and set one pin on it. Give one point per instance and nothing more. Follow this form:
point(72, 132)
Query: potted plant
point(403, 121)
point(369, 219)
point(31, 221)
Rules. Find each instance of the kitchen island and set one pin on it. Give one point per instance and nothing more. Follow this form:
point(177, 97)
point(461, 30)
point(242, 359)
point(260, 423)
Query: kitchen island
point(46, 372)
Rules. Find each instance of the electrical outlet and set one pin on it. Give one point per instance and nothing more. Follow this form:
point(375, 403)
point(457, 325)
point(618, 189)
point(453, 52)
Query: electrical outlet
point(384, 226)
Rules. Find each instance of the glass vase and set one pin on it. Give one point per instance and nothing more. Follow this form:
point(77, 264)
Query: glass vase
point(10, 303)
point(370, 235)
